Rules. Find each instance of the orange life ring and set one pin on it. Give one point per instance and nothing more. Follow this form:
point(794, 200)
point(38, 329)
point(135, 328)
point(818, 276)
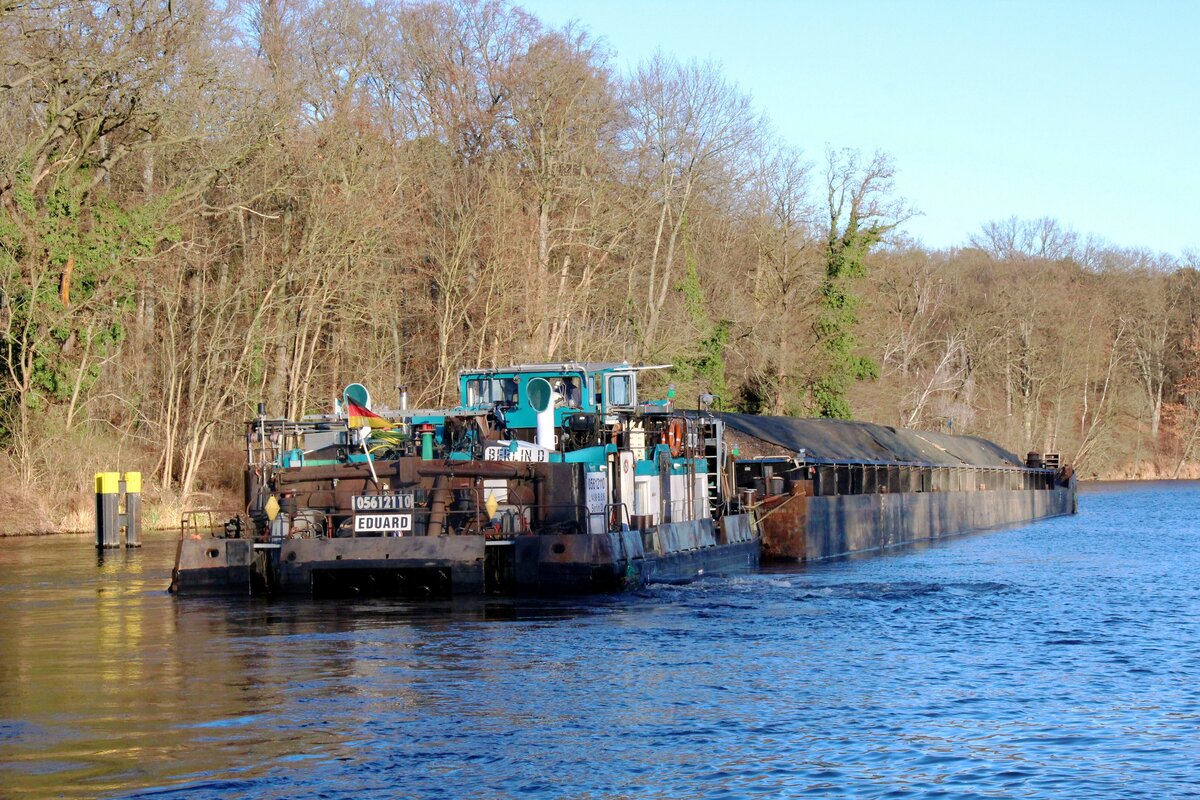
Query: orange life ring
point(674, 436)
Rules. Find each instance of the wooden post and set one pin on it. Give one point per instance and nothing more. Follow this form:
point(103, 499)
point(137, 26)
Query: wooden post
point(133, 509)
point(108, 532)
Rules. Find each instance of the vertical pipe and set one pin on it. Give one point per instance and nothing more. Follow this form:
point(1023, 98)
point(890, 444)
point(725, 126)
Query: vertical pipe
point(541, 397)
point(133, 509)
point(664, 489)
point(437, 505)
point(539, 501)
point(107, 488)
point(545, 427)
point(427, 445)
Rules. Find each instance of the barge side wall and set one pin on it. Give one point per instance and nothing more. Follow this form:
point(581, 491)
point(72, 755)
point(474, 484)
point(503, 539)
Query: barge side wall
point(838, 526)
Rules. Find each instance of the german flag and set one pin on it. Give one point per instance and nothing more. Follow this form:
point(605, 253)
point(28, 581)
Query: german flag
point(359, 417)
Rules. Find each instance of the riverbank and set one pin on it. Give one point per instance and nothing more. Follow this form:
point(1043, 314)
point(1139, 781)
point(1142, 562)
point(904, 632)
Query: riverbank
point(28, 513)
point(62, 499)
point(1146, 471)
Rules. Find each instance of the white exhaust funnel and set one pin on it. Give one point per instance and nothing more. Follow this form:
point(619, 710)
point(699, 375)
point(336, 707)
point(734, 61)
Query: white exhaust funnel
point(542, 399)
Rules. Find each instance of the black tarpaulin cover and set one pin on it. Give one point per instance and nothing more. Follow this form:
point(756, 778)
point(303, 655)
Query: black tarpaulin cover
point(839, 440)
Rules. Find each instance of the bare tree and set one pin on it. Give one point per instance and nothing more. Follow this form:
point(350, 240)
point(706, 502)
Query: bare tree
point(1016, 239)
point(691, 128)
point(787, 272)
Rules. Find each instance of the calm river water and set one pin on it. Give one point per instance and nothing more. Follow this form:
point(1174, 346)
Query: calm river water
point(1060, 660)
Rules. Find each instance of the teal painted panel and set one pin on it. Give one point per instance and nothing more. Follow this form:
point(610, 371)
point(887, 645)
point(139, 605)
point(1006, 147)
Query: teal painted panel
point(588, 455)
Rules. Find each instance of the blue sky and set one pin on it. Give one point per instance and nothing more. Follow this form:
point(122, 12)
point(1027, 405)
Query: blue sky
point(1085, 112)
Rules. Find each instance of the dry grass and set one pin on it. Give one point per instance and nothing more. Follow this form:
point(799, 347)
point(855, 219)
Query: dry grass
point(62, 497)
point(1153, 471)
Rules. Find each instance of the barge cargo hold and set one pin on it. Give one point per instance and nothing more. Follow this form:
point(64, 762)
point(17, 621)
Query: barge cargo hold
point(829, 488)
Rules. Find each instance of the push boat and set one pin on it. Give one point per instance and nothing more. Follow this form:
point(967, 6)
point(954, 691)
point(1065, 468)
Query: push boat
point(547, 478)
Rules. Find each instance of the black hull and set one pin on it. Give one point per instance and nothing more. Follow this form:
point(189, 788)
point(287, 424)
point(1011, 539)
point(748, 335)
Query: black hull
point(800, 528)
point(443, 566)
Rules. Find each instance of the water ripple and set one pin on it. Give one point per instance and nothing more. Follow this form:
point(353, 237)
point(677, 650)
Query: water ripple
point(1054, 661)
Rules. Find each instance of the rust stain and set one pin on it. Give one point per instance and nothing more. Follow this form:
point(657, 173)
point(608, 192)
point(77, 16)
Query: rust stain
point(784, 521)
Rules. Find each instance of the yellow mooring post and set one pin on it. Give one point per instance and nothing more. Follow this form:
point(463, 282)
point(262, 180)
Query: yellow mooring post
point(133, 509)
point(108, 531)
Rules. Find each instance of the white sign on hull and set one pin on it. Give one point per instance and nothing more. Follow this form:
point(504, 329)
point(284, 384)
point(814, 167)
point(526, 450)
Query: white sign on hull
point(383, 523)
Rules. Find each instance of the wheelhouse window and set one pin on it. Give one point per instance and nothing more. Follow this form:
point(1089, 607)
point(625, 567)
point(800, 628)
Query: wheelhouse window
point(569, 389)
point(481, 391)
point(621, 391)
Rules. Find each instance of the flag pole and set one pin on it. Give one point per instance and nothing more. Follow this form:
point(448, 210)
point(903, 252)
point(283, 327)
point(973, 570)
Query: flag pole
point(363, 435)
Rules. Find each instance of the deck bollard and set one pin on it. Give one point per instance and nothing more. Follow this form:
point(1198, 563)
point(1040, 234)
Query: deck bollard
point(108, 531)
point(133, 509)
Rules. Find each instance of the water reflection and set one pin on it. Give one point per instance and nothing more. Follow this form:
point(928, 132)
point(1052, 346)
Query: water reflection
point(1051, 661)
point(105, 680)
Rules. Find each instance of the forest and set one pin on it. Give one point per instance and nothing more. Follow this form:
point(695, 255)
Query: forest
point(205, 205)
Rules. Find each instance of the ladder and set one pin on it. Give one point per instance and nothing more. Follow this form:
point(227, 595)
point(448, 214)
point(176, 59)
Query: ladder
point(713, 433)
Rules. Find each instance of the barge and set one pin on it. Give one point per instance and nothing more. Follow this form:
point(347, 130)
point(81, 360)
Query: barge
point(830, 488)
point(547, 478)
point(560, 478)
